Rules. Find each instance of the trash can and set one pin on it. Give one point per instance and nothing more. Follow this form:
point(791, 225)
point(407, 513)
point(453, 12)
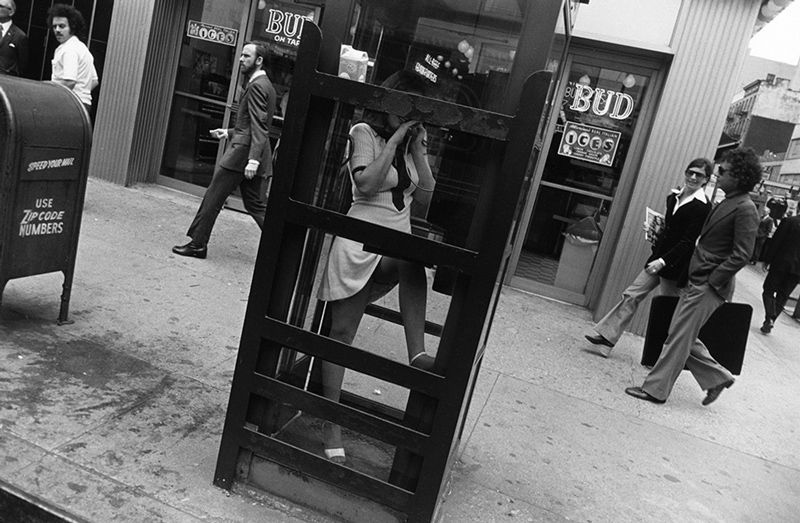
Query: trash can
point(575, 263)
point(581, 240)
point(45, 140)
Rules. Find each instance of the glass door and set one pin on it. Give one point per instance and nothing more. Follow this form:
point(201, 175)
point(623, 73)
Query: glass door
point(588, 157)
point(203, 92)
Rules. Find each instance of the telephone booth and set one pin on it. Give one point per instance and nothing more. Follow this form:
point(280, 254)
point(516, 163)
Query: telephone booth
point(401, 425)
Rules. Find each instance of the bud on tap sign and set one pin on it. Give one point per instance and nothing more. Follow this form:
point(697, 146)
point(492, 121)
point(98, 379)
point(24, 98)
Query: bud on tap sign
point(602, 102)
point(285, 27)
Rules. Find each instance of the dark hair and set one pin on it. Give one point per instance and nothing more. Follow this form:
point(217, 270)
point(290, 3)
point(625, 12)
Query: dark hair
point(745, 167)
point(262, 50)
point(77, 25)
point(703, 163)
point(399, 81)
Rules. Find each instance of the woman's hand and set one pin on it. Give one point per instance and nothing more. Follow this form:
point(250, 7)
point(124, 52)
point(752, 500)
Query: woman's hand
point(655, 266)
point(419, 138)
point(400, 133)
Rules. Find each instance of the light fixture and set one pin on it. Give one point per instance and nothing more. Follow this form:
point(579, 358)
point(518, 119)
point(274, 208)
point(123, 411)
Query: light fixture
point(629, 81)
point(584, 80)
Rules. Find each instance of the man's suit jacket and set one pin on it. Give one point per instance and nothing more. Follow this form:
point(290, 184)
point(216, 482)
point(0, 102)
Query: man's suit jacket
point(725, 244)
point(676, 242)
point(249, 138)
point(14, 52)
point(783, 253)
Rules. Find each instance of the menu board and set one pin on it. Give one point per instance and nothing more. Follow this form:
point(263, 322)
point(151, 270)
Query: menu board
point(588, 143)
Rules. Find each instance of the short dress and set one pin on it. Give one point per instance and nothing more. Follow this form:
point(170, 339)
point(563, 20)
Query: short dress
point(350, 267)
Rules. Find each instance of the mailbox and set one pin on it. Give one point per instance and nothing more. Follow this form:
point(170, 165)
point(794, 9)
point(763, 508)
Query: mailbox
point(45, 140)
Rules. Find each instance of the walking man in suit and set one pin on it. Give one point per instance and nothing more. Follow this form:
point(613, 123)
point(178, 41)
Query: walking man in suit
point(724, 246)
point(248, 161)
point(13, 42)
point(782, 260)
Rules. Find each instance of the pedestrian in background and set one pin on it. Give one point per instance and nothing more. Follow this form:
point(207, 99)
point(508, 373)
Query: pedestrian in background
point(73, 64)
point(782, 261)
point(686, 211)
point(13, 42)
point(724, 246)
point(764, 232)
point(248, 160)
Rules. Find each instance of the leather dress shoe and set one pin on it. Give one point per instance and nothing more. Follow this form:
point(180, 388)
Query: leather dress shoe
point(766, 327)
point(191, 249)
point(639, 393)
point(599, 340)
point(713, 393)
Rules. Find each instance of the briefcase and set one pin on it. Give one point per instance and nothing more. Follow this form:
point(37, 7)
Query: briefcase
point(724, 334)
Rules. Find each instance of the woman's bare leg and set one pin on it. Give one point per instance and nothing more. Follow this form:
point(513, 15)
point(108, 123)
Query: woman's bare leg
point(413, 300)
point(346, 315)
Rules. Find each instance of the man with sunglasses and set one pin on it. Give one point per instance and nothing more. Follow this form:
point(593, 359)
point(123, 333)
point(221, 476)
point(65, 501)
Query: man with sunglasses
point(13, 42)
point(724, 246)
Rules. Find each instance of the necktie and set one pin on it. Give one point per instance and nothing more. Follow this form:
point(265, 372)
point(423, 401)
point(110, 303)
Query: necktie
point(1, 32)
point(403, 180)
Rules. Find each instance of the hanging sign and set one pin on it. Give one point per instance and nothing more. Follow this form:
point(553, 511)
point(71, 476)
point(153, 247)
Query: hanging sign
point(285, 26)
point(588, 143)
point(212, 33)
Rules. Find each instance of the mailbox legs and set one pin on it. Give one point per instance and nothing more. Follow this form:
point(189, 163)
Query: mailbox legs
point(66, 291)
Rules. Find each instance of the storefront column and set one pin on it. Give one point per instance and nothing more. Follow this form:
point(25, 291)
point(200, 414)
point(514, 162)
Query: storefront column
point(131, 118)
point(710, 45)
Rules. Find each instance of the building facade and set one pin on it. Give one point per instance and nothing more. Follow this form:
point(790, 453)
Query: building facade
point(641, 89)
point(31, 17)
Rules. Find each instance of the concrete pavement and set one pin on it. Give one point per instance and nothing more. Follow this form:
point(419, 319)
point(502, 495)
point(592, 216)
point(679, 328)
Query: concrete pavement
point(118, 416)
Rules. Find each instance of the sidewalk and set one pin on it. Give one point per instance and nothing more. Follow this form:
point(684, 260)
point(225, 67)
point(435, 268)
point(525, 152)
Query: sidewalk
point(118, 416)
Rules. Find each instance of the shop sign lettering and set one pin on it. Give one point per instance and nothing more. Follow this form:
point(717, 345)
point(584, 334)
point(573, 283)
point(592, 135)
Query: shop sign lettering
point(42, 219)
point(212, 33)
point(600, 101)
point(426, 69)
point(285, 27)
point(56, 163)
point(588, 143)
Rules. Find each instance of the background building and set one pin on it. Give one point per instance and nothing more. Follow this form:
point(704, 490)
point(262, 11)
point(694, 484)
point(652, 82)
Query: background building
point(31, 17)
point(646, 81)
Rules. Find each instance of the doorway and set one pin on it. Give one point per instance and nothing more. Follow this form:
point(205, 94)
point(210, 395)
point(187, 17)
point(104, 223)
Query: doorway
point(204, 88)
point(592, 147)
point(207, 81)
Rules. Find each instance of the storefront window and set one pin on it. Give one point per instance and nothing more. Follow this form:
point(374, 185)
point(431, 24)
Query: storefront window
point(279, 23)
point(466, 49)
point(206, 64)
point(596, 120)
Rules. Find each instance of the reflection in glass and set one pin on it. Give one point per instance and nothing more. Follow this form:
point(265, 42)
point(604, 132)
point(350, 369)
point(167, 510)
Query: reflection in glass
point(190, 151)
point(202, 87)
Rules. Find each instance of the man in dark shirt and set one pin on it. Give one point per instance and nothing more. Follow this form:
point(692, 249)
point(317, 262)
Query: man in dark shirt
point(13, 42)
point(782, 260)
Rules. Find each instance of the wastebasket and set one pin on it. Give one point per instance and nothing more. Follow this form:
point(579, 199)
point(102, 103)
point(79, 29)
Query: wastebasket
point(575, 262)
point(45, 140)
point(577, 257)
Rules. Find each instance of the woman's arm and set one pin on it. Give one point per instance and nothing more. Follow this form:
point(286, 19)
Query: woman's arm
point(370, 179)
point(419, 154)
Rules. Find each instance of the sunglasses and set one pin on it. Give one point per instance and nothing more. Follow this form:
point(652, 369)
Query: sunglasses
point(689, 173)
